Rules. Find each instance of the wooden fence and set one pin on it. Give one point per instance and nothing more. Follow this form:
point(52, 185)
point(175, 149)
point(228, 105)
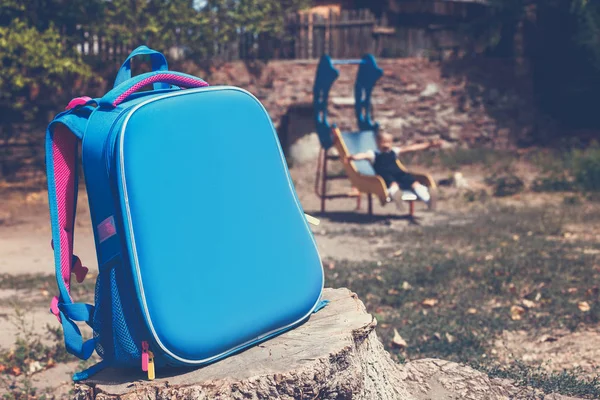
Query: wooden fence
point(348, 34)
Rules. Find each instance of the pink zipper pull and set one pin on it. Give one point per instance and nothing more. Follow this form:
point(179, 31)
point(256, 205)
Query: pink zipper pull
point(145, 356)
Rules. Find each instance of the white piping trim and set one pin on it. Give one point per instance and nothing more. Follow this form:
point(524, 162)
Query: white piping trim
point(131, 233)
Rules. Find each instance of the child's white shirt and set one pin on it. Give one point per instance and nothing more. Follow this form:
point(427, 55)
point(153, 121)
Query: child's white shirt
point(371, 154)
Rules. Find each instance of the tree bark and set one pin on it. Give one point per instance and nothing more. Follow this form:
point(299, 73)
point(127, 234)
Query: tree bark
point(334, 355)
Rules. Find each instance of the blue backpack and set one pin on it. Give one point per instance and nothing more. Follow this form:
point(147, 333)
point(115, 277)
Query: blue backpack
point(202, 244)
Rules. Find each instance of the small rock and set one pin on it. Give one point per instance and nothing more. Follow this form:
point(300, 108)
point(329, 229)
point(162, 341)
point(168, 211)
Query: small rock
point(398, 341)
point(396, 123)
point(459, 181)
point(430, 90)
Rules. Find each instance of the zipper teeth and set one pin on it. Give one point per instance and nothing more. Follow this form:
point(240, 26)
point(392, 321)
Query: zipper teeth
point(110, 142)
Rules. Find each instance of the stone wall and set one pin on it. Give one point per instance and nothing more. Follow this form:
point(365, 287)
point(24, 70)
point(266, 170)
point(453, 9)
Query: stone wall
point(469, 104)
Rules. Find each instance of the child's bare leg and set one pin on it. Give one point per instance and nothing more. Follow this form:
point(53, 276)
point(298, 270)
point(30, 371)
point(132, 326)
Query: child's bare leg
point(393, 189)
point(395, 194)
point(421, 191)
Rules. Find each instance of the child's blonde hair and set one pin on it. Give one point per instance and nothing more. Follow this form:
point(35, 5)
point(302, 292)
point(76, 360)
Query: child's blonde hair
point(383, 135)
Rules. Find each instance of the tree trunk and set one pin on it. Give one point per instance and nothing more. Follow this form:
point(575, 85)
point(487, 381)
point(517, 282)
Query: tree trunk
point(334, 355)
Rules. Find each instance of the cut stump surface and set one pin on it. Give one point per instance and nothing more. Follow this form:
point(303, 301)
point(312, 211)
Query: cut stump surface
point(334, 355)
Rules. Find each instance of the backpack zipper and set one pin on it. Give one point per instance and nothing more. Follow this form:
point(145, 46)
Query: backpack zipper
point(147, 360)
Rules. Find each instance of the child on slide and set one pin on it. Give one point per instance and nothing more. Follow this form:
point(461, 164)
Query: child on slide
point(384, 164)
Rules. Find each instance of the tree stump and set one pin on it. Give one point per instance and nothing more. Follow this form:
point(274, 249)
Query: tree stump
point(334, 355)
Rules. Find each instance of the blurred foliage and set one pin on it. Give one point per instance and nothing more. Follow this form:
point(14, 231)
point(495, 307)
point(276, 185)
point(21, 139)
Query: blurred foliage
point(39, 40)
point(43, 65)
point(34, 63)
point(562, 45)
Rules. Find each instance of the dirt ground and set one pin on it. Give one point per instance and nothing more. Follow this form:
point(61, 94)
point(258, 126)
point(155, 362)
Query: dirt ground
point(25, 255)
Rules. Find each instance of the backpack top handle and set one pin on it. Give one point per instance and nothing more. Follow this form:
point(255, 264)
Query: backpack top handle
point(158, 60)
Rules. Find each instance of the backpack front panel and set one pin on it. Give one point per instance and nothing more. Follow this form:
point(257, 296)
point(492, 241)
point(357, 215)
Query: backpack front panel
point(218, 243)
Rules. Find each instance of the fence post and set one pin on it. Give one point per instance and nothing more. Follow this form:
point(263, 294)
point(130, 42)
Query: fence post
point(310, 35)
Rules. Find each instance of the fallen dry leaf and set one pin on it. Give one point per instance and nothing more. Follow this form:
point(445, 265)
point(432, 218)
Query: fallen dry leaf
point(429, 302)
point(529, 303)
point(516, 238)
point(489, 257)
point(397, 253)
point(33, 197)
point(451, 339)
point(398, 341)
point(472, 311)
point(437, 336)
point(516, 312)
point(2, 368)
point(16, 371)
point(583, 306)
point(591, 251)
point(35, 367)
point(572, 290)
point(406, 285)
point(392, 292)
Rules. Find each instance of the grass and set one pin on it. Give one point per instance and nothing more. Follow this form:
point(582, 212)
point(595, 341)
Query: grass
point(566, 382)
point(567, 169)
point(30, 353)
point(28, 356)
point(570, 169)
point(456, 159)
point(43, 283)
point(454, 288)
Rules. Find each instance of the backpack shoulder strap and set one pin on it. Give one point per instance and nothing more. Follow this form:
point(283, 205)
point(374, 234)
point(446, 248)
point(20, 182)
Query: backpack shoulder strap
point(62, 138)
